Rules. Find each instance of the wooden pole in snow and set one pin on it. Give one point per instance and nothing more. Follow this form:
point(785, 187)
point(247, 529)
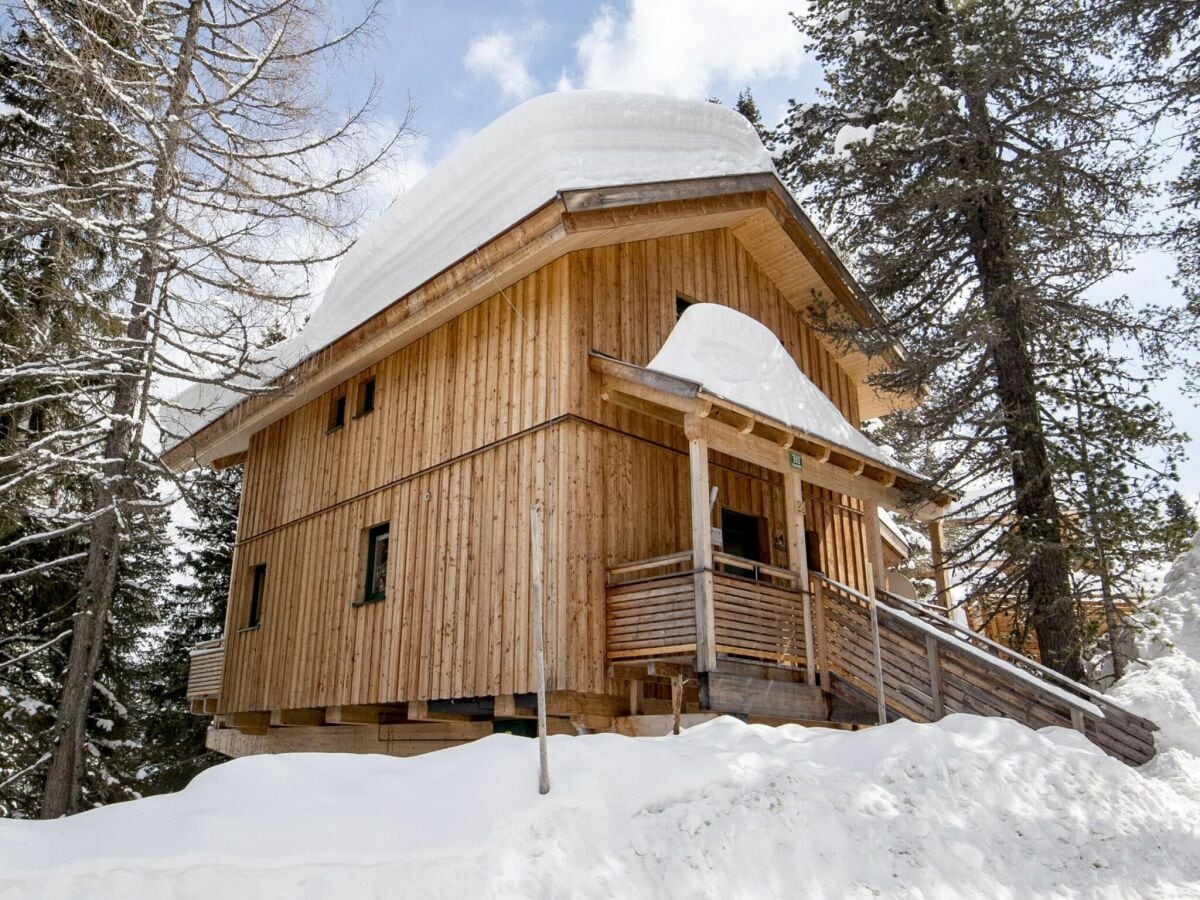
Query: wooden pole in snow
point(535, 525)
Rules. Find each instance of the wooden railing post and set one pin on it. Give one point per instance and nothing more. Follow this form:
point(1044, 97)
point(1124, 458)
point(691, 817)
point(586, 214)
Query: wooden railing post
point(937, 553)
point(875, 543)
point(793, 489)
point(879, 696)
point(818, 593)
point(935, 676)
point(702, 551)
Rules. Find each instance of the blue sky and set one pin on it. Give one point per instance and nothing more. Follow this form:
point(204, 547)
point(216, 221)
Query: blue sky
point(463, 64)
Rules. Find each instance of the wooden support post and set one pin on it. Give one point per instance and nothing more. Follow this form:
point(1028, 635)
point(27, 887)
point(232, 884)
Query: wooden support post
point(793, 489)
point(822, 636)
point(702, 552)
point(933, 657)
point(937, 545)
point(635, 696)
point(535, 525)
point(881, 700)
point(875, 543)
point(1077, 719)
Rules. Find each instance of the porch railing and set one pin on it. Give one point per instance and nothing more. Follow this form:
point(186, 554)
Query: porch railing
point(204, 672)
point(758, 609)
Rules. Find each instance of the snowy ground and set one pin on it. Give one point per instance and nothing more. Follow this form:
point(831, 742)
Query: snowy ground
point(969, 807)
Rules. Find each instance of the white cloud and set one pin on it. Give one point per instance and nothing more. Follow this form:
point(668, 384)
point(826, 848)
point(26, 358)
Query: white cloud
point(498, 56)
point(686, 47)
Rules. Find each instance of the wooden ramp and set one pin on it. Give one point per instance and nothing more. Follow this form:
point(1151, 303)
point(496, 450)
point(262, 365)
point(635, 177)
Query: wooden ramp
point(928, 666)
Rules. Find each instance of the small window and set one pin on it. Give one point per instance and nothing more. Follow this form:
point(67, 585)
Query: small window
point(681, 304)
point(366, 397)
point(377, 559)
point(337, 413)
point(256, 596)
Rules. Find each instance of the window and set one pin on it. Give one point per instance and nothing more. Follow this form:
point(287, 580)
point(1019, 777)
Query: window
point(377, 558)
point(681, 304)
point(337, 413)
point(254, 618)
point(742, 534)
point(366, 398)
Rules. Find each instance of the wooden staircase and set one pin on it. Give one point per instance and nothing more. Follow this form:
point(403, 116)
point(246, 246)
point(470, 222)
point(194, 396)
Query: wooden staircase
point(908, 661)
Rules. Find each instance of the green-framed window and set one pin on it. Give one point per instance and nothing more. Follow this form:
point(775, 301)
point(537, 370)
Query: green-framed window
point(375, 587)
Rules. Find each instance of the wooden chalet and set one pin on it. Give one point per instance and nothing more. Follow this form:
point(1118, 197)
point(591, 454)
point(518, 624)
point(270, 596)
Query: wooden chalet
point(696, 551)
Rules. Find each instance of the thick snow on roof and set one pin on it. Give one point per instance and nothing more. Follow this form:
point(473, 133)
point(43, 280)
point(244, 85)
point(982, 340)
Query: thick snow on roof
point(738, 358)
point(552, 143)
point(968, 807)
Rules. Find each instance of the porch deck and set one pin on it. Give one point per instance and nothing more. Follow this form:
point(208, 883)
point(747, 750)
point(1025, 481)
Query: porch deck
point(760, 612)
point(881, 653)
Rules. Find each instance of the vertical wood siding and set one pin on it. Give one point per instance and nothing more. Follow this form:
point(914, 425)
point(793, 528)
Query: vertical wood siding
point(473, 423)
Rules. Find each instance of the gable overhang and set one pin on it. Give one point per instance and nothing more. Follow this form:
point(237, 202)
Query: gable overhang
point(758, 210)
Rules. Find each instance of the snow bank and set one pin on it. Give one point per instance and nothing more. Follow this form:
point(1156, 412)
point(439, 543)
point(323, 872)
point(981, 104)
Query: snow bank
point(552, 143)
point(738, 358)
point(970, 807)
point(1166, 686)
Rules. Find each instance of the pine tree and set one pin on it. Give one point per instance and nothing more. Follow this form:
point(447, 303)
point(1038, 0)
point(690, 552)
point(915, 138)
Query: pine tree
point(747, 106)
point(1162, 43)
point(174, 749)
point(1181, 525)
point(987, 175)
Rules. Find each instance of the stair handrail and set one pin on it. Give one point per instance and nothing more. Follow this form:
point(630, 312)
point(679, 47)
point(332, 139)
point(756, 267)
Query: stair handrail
point(951, 640)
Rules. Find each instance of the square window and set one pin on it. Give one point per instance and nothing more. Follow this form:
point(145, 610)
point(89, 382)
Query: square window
point(366, 398)
point(377, 560)
point(337, 413)
point(254, 618)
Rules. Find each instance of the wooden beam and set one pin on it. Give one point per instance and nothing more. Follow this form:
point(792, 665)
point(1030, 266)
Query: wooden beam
point(793, 491)
point(361, 714)
point(875, 543)
point(657, 725)
point(880, 698)
point(435, 731)
point(702, 552)
point(226, 462)
point(295, 718)
point(933, 655)
point(250, 722)
point(938, 554)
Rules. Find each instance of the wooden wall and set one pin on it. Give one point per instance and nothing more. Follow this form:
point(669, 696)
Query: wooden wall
point(492, 372)
point(473, 422)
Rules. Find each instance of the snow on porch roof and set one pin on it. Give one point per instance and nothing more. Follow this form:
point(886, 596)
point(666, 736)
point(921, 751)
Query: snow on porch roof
point(737, 358)
point(557, 142)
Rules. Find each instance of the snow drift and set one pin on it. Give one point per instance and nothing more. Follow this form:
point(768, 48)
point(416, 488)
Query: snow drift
point(967, 807)
point(1166, 687)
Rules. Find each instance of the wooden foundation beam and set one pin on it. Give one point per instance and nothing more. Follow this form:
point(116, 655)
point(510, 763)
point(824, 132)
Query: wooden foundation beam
point(294, 718)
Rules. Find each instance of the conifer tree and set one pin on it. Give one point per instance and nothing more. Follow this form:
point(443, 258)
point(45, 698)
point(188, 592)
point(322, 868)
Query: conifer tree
point(174, 750)
point(985, 173)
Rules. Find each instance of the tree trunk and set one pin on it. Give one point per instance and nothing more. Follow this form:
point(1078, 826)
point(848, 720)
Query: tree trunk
point(64, 777)
point(1038, 523)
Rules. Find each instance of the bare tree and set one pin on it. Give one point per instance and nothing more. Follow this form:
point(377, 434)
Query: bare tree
point(241, 186)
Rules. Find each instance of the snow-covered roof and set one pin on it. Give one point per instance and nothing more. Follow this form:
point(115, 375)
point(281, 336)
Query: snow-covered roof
point(737, 358)
point(556, 142)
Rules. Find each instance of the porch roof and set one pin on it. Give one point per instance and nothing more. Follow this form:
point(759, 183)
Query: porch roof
point(763, 439)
